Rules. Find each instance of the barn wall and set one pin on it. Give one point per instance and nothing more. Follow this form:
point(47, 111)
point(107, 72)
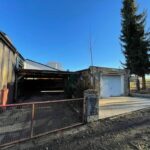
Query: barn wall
point(1, 55)
point(7, 69)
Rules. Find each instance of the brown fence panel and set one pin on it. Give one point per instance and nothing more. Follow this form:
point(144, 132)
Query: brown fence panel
point(19, 122)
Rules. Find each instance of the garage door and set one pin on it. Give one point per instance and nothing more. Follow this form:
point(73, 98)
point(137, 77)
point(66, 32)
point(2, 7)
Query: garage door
point(111, 86)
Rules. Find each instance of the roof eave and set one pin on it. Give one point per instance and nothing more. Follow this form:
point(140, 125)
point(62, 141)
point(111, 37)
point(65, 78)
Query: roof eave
point(10, 45)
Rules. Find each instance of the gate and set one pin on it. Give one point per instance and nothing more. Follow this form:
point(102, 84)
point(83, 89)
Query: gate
point(20, 122)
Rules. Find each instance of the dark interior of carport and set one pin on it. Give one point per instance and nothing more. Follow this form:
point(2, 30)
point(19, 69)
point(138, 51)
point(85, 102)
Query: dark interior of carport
point(40, 85)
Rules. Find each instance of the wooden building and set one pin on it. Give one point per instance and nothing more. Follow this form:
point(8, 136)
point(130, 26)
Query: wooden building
point(10, 60)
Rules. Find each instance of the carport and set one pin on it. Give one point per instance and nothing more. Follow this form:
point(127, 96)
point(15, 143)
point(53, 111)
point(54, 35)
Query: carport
point(40, 83)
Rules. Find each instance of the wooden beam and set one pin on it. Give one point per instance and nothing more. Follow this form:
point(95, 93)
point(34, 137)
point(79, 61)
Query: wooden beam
point(16, 88)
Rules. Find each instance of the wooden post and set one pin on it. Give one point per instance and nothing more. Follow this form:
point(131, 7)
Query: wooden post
point(32, 119)
point(16, 88)
point(84, 111)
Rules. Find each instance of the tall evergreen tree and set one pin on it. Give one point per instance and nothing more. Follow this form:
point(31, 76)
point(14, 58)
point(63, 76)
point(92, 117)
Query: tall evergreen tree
point(135, 42)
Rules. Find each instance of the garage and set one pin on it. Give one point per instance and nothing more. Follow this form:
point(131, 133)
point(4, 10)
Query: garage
point(108, 82)
point(111, 85)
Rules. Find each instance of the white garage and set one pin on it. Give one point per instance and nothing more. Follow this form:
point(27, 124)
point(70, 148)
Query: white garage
point(111, 85)
point(107, 82)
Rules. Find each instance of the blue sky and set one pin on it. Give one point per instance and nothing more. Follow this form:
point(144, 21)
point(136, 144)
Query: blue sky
point(58, 30)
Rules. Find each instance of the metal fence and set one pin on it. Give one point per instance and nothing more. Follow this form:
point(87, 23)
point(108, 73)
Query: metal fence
point(20, 122)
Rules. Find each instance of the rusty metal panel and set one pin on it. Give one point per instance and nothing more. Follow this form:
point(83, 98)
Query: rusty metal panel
point(14, 58)
point(7, 69)
point(5, 66)
point(1, 55)
point(10, 67)
point(8, 57)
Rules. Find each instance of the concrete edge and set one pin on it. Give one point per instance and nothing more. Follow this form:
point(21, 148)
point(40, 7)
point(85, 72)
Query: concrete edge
point(140, 95)
point(124, 114)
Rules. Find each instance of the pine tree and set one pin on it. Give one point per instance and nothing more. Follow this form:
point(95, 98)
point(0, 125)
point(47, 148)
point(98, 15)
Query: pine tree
point(135, 42)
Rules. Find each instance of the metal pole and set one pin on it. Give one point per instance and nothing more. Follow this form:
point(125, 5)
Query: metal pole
point(91, 52)
point(51, 101)
point(91, 55)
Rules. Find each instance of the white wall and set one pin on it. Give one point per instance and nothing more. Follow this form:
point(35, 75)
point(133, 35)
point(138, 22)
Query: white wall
point(55, 65)
point(36, 66)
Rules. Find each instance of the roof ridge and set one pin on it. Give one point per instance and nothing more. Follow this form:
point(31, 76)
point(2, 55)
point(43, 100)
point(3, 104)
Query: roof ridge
point(9, 43)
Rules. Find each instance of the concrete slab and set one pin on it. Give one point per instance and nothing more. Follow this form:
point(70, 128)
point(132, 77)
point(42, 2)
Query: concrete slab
point(119, 105)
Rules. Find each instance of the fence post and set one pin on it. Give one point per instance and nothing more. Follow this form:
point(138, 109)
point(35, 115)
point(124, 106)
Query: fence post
point(32, 119)
point(91, 105)
point(84, 111)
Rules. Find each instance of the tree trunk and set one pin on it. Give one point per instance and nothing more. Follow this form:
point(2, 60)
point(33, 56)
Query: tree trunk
point(137, 84)
point(143, 82)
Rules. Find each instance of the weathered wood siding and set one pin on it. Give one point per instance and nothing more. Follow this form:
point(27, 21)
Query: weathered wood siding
point(7, 69)
point(1, 55)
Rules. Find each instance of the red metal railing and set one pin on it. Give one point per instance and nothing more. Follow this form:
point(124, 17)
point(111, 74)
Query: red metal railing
point(20, 122)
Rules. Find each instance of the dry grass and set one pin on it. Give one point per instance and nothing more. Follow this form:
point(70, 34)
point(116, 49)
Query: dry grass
point(133, 87)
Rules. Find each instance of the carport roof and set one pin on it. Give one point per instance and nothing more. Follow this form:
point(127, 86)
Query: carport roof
point(43, 73)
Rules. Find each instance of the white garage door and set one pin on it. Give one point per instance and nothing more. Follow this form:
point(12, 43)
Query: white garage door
point(111, 86)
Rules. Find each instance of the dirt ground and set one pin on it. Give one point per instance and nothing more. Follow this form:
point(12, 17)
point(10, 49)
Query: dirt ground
point(126, 132)
point(38, 97)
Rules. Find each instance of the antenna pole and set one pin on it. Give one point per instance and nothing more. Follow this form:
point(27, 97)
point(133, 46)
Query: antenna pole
point(91, 54)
